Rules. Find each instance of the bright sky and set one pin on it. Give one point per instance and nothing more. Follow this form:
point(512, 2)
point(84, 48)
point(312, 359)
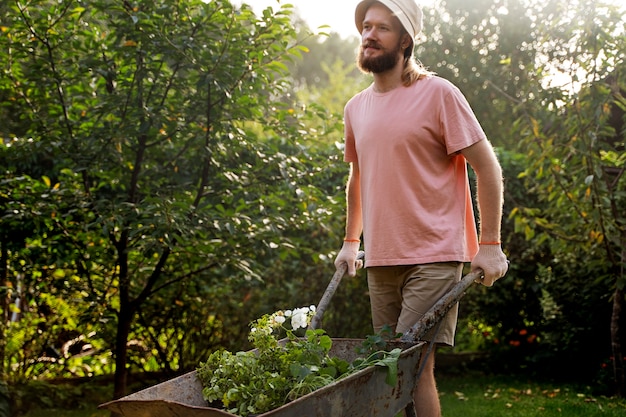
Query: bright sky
point(338, 14)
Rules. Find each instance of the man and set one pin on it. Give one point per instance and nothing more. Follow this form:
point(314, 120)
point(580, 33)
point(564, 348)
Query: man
point(409, 137)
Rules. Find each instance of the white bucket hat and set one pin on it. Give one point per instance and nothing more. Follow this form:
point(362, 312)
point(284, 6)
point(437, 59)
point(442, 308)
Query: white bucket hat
point(407, 11)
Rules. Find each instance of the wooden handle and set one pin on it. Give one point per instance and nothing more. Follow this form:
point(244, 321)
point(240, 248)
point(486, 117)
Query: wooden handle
point(440, 308)
point(330, 291)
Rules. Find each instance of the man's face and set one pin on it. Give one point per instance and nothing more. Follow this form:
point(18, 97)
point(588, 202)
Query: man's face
point(381, 41)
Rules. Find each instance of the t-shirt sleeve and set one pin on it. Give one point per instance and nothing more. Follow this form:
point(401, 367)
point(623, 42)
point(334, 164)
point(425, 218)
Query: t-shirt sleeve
point(459, 124)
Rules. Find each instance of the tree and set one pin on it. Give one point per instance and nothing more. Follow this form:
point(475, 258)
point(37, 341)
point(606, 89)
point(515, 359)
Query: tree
point(483, 47)
point(172, 165)
point(574, 138)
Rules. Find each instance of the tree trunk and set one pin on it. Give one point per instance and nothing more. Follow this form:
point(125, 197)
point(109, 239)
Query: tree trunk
point(121, 353)
point(4, 306)
point(616, 344)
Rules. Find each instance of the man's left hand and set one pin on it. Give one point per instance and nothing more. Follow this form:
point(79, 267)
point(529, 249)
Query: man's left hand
point(492, 261)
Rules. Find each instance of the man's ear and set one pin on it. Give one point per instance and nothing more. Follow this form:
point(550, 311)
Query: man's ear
point(406, 41)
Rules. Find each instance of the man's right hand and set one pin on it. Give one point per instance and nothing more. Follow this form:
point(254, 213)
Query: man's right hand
point(348, 255)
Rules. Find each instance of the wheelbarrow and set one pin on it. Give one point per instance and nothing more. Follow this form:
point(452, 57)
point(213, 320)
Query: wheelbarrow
point(362, 394)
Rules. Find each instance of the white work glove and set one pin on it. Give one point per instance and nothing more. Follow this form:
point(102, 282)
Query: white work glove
point(492, 261)
point(348, 255)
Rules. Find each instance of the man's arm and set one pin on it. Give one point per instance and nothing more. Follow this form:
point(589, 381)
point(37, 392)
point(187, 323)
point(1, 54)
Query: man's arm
point(354, 216)
point(490, 257)
point(354, 223)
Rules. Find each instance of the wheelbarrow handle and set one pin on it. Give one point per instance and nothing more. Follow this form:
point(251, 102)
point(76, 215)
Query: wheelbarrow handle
point(440, 308)
point(330, 291)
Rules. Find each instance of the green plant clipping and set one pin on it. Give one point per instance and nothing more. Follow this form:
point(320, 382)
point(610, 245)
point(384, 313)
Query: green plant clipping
point(282, 369)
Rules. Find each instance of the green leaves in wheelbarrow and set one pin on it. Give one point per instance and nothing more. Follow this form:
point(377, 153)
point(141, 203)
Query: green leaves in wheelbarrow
point(390, 361)
point(382, 358)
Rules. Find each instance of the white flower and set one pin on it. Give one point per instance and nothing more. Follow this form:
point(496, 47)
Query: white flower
point(279, 319)
point(300, 318)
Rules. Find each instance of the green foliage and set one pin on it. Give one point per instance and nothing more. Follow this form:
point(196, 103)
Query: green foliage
point(76, 395)
point(573, 139)
point(487, 49)
point(149, 168)
point(280, 371)
point(576, 151)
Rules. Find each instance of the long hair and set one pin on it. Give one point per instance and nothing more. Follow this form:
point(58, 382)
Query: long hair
point(413, 70)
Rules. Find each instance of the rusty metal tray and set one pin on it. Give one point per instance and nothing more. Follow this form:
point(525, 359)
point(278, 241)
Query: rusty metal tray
point(362, 394)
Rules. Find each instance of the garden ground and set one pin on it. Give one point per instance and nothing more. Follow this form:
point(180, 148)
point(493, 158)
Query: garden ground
point(471, 394)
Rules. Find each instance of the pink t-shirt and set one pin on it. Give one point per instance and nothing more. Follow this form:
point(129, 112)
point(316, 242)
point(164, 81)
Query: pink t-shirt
point(416, 200)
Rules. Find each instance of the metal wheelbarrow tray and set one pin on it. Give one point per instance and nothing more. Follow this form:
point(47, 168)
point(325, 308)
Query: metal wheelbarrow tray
point(362, 394)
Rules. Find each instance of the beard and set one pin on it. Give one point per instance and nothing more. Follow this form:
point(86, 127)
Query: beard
point(378, 64)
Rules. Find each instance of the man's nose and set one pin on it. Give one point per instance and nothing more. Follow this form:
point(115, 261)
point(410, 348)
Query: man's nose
point(369, 34)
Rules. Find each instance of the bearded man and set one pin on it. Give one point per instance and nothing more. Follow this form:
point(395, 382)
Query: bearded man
point(409, 137)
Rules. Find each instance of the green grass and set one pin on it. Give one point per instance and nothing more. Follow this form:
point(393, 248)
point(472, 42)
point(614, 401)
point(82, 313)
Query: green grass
point(477, 395)
point(482, 396)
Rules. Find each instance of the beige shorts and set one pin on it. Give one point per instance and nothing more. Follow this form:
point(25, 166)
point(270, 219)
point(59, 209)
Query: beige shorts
point(401, 295)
